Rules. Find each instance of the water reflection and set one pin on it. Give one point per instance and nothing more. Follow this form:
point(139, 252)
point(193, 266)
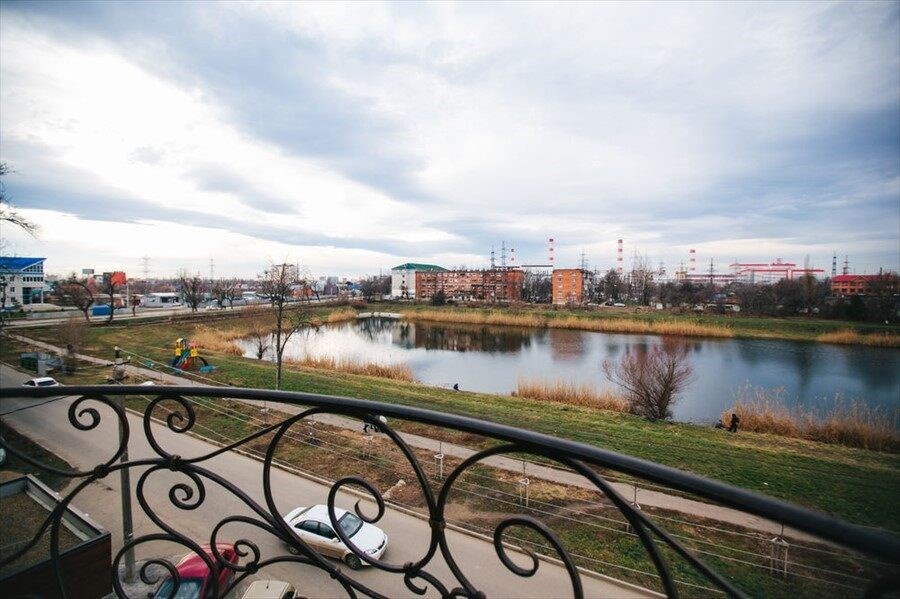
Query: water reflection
point(566, 344)
point(460, 338)
point(493, 359)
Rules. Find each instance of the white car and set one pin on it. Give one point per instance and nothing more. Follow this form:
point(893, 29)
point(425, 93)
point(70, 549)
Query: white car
point(270, 589)
point(313, 525)
point(41, 381)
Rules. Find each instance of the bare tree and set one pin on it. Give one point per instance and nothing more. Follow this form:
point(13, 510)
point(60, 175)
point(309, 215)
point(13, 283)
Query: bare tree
point(7, 214)
point(225, 290)
point(258, 330)
point(112, 284)
point(72, 332)
point(277, 285)
point(652, 378)
point(191, 289)
point(77, 292)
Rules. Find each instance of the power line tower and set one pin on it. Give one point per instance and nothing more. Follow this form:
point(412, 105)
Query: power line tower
point(492, 258)
point(712, 272)
point(503, 254)
point(583, 261)
point(212, 269)
point(834, 265)
point(846, 269)
point(145, 266)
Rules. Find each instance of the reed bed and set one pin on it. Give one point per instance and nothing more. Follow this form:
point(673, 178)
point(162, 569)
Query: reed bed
point(498, 318)
point(851, 337)
point(603, 325)
point(397, 372)
point(341, 315)
point(621, 325)
point(218, 340)
point(570, 393)
point(854, 423)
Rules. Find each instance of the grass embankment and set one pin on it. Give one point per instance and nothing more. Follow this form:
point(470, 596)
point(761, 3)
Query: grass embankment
point(854, 484)
point(566, 392)
point(644, 321)
point(592, 530)
point(398, 372)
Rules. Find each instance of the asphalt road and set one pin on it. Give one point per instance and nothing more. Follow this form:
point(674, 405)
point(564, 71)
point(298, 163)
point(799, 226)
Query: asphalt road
point(48, 425)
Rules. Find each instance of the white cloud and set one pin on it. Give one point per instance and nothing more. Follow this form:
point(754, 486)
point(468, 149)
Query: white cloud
point(585, 122)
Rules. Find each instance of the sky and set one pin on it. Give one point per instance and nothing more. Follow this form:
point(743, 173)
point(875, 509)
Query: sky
point(350, 138)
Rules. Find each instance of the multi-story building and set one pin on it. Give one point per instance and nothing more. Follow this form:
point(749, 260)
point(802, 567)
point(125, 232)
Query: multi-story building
point(498, 284)
point(572, 285)
point(21, 281)
point(403, 278)
point(863, 284)
point(765, 272)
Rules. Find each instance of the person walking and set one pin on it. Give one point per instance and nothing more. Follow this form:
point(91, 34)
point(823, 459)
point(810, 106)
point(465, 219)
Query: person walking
point(733, 427)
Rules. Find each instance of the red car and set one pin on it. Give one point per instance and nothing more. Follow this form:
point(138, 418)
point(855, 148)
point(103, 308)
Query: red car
point(196, 577)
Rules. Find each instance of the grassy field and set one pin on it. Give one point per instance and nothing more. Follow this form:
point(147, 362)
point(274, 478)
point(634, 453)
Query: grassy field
point(857, 485)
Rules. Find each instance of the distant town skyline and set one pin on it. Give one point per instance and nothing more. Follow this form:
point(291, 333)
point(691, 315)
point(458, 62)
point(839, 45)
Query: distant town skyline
point(350, 138)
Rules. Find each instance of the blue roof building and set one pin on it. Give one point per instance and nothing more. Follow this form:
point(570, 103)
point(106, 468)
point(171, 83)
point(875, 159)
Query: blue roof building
point(21, 281)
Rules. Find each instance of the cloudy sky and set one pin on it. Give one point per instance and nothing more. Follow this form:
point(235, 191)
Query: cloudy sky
point(350, 138)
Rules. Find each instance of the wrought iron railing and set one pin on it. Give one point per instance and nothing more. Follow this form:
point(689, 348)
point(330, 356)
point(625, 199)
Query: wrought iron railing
point(175, 405)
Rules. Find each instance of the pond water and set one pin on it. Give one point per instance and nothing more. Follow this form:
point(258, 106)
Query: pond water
point(493, 359)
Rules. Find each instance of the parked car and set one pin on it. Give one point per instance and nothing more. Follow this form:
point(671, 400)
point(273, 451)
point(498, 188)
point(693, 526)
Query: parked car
point(41, 381)
point(196, 580)
point(270, 589)
point(313, 525)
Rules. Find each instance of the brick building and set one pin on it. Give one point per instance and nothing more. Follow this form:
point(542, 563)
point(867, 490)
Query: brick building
point(501, 284)
point(863, 284)
point(572, 285)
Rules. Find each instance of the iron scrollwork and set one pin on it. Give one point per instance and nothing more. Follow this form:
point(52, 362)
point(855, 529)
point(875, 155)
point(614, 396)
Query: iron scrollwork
point(87, 410)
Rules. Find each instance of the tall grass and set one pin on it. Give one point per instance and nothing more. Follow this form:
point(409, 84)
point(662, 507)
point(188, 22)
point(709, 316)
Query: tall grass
point(854, 423)
point(499, 318)
point(218, 340)
point(398, 372)
point(621, 325)
point(851, 337)
point(605, 325)
point(570, 393)
point(341, 315)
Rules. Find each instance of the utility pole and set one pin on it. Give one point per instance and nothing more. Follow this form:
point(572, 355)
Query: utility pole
point(125, 475)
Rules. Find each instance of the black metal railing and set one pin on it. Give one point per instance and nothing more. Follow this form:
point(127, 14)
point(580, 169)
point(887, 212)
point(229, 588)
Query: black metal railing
point(176, 406)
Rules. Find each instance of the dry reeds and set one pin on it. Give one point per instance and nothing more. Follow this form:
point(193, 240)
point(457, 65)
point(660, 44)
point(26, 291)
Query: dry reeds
point(398, 372)
point(570, 393)
point(495, 318)
point(851, 337)
point(341, 315)
point(602, 325)
point(622, 325)
point(854, 424)
point(218, 340)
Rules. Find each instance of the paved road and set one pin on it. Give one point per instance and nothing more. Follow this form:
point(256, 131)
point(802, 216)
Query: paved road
point(48, 425)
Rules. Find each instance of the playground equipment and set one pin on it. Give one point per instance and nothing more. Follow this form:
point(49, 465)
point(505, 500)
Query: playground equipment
point(187, 352)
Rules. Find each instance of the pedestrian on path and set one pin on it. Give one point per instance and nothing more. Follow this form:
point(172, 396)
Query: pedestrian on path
point(732, 428)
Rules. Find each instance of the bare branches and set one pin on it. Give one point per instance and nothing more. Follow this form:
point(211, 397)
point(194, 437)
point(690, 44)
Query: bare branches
point(652, 378)
point(191, 289)
point(77, 292)
point(7, 214)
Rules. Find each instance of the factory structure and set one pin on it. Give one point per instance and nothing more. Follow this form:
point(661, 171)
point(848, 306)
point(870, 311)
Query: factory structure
point(504, 282)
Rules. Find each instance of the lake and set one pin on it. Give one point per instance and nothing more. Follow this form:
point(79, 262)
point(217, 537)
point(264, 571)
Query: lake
point(493, 358)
